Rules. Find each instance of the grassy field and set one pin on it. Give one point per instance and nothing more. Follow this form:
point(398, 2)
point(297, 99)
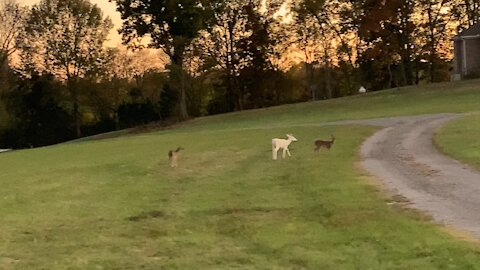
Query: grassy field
point(116, 204)
point(461, 140)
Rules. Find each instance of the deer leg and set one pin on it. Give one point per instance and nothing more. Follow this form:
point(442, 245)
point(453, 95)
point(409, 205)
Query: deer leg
point(274, 153)
point(288, 152)
point(284, 151)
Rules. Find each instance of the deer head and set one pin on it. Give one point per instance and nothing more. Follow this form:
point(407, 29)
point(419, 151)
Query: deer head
point(290, 137)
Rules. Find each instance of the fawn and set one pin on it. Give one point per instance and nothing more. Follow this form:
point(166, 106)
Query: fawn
point(278, 144)
point(327, 144)
point(173, 156)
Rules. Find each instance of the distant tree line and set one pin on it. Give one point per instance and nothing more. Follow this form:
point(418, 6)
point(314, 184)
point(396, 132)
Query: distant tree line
point(58, 80)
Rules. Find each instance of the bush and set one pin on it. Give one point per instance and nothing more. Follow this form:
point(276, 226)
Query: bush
point(134, 114)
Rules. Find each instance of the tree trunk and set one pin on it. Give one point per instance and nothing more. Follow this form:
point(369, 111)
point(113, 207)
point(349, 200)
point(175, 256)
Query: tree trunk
point(116, 120)
point(232, 97)
point(234, 92)
point(390, 75)
point(76, 117)
point(432, 48)
point(3, 60)
point(432, 71)
point(72, 88)
point(239, 93)
point(309, 80)
point(178, 81)
point(407, 66)
point(183, 96)
point(328, 75)
point(472, 11)
point(403, 75)
point(406, 12)
point(4, 68)
point(432, 55)
point(328, 83)
point(469, 12)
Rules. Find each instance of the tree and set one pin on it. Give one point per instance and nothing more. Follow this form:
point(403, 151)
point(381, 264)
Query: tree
point(65, 38)
point(12, 19)
point(171, 26)
point(436, 29)
point(39, 117)
point(236, 50)
point(225, 36)
point(470, 10)
point(314, 25)
point(221, 50)
point(388, 44)
point(123, 71)
point(259, 50)
point(406, 39)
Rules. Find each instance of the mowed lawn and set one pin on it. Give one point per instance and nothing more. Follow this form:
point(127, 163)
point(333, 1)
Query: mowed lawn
point(461, 140)
point(116, 204)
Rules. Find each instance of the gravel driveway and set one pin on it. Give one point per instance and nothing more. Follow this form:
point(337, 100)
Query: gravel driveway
point(403, 157)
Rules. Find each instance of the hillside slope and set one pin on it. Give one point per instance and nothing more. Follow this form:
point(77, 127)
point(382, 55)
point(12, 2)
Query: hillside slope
point(116, 204)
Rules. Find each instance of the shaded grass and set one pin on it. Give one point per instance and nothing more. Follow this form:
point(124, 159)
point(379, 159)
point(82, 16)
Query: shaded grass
point(115, 204)
point(461, 139)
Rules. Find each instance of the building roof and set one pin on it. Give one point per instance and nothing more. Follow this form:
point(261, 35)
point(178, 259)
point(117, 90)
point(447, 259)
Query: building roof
point(473, 31)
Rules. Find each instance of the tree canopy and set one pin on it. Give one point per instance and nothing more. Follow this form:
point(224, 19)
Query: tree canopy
point(65, 38)
point(217, 56)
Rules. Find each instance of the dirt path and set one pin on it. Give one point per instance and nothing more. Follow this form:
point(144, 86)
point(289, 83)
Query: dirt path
point(403, 157)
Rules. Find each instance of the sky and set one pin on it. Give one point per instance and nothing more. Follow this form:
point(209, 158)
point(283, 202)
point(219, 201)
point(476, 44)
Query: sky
point(109, 9)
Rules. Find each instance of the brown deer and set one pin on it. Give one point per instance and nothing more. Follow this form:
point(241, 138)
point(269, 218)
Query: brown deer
point(327, 144)
point(173, 156)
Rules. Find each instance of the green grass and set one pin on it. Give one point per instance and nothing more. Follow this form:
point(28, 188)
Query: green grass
point(461, 140)
point(116, 204)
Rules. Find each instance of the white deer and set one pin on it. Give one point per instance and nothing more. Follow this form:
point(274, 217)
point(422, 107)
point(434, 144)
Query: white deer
point(278, 144)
